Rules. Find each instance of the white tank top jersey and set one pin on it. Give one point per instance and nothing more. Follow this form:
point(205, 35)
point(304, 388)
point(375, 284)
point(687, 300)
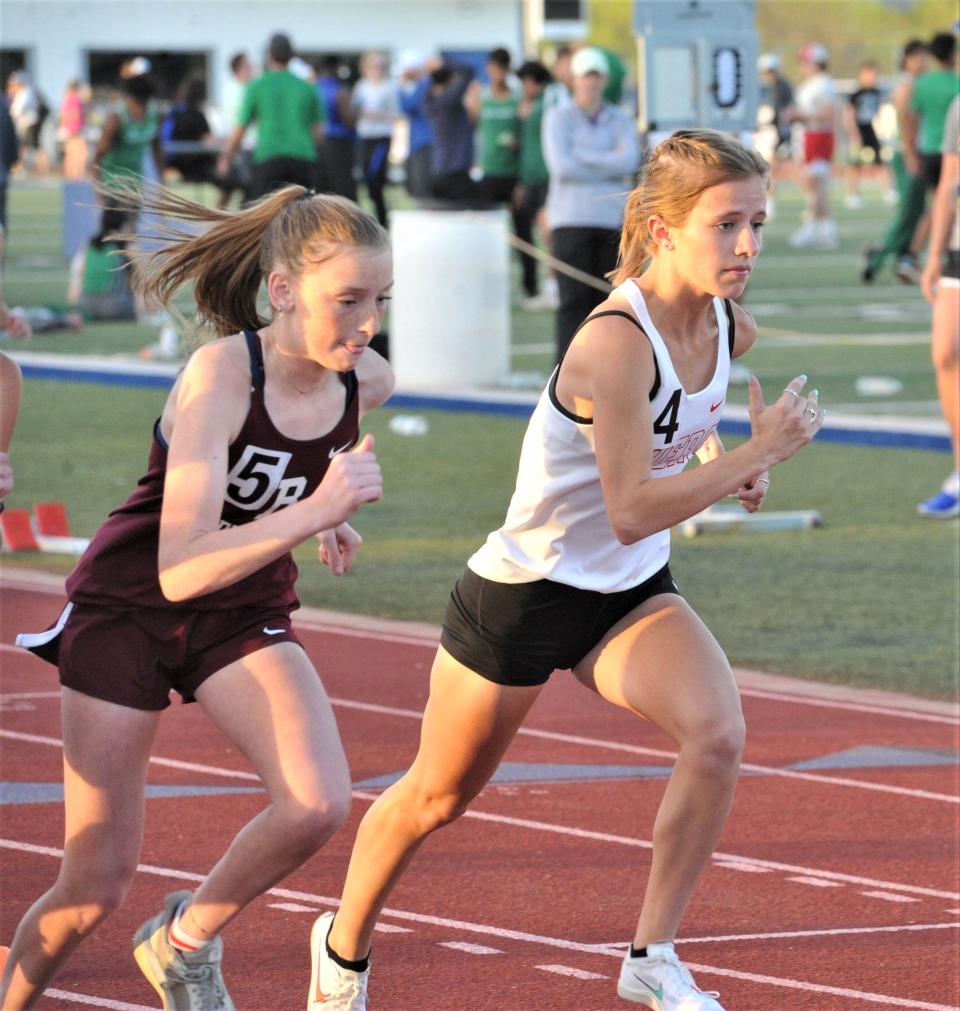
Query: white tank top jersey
point(557, 526)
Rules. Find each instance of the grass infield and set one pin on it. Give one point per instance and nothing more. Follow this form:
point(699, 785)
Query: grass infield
point(869, 599)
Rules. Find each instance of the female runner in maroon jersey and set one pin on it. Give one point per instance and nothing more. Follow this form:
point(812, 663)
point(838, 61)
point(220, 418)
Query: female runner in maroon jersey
point(189, 585)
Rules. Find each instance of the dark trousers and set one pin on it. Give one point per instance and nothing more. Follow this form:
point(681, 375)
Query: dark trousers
point(453, 186)
point(528, 199)
point(373, 155)
point(336, 167)
point(909, 211)
point(418, 172)
point(592, 250)
point(274, 173)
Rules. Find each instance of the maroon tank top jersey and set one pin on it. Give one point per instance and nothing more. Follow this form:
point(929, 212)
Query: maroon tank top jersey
point(267, 471)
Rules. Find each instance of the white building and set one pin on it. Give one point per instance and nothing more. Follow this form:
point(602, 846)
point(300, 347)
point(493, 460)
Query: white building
point(59, 39)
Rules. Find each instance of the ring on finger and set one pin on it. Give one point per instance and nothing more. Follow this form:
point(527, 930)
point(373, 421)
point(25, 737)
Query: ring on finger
point(762, 480)
point(793, 393)
point(810, 412)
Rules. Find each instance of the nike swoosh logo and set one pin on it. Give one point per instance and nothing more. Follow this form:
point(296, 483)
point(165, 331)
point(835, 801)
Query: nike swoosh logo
point(715, 406)
point(657, 991)
point(274, 631)
point(334, 452)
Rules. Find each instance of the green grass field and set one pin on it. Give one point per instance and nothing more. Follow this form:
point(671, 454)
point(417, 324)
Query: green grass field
point(869, 599)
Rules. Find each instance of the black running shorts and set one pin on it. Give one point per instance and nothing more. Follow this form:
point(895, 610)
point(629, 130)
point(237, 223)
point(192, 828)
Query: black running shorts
point(519, 633)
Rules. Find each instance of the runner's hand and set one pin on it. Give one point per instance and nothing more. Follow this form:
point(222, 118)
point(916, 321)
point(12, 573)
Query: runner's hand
point(788, 424)
point(339, 547)
point(352, 479)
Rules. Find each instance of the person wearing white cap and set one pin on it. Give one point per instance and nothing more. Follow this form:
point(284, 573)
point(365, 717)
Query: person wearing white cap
point(815, 109)
point(591, 149)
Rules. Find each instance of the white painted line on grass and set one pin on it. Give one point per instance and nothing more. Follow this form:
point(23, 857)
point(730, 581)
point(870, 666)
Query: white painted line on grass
point(82, 998)
point(569, 970)
point(723, 859)
point(889, 897)
point(516, 935)
point(470, 949)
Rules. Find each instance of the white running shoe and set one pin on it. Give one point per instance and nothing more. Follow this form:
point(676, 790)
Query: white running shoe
point(331, 987)
point(663, 982)
point(805, 235)
point(827, 236)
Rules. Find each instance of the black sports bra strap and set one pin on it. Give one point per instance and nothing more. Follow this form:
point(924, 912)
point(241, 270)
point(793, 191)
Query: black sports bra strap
point(256, 358)
point(655, 388)
point(731, 324)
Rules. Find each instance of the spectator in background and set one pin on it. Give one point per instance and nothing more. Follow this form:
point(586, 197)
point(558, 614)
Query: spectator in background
point(9, 156)
point(129, 132)
point(70, 131)
point(376, 106)
point(99, 286)
point(414, 85)
point(239, 174)
point(338, 147)
point(933, 92)
point(289, 121)
point(864, 144)
point(773, 131)
point(560, 90)
point(941, 285)
point(592, 152)
point(186, 124)
point(905, 235)
point(24, 106)
point(452, 130)
point(493, 107)
point(815, 109)
point(530, 194)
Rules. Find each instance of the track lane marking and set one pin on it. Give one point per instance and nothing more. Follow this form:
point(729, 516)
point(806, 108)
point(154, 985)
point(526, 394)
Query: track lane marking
point(82, 998)
point(555, 942)
point(719, 858)
point(781, 935)
point(636, 749)
point(428, 638)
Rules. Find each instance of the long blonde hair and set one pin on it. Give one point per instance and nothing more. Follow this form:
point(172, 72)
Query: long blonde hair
point(228, 260)
point(679, 170)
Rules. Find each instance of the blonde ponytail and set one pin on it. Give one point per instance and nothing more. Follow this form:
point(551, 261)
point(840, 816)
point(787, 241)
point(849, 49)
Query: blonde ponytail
point(228, 260)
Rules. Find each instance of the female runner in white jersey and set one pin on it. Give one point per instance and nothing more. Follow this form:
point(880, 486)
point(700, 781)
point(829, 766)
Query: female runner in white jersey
point(577, 576)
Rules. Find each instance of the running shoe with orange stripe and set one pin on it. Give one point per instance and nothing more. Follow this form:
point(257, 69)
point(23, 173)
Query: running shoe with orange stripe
point(332, 988)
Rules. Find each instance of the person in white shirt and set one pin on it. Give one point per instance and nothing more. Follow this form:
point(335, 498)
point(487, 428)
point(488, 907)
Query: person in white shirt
point(815, 109)
point(577, 577)
point(376, 104)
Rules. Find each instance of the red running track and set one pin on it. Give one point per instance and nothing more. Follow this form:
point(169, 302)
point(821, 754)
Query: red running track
point(833, 888)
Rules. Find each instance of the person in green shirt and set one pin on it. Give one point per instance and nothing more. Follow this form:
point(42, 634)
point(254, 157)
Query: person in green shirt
point(494, 109)
point(534, 177)
point(128, 132)
point(932, 95)
point(289, 120)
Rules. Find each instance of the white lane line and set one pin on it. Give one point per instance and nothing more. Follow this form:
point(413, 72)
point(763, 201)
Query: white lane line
point(427, 636)
point(889, 897)
point(722, 859)
point(853, 707)
point(14, 696)
point(470, 949)
point(816, 882)
point(635, 749)
point(734, 865)
point(293, 907)
point(568, 970)
point(391, 928)
point(82, 998)
point(826, 932)
point(516, 935)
